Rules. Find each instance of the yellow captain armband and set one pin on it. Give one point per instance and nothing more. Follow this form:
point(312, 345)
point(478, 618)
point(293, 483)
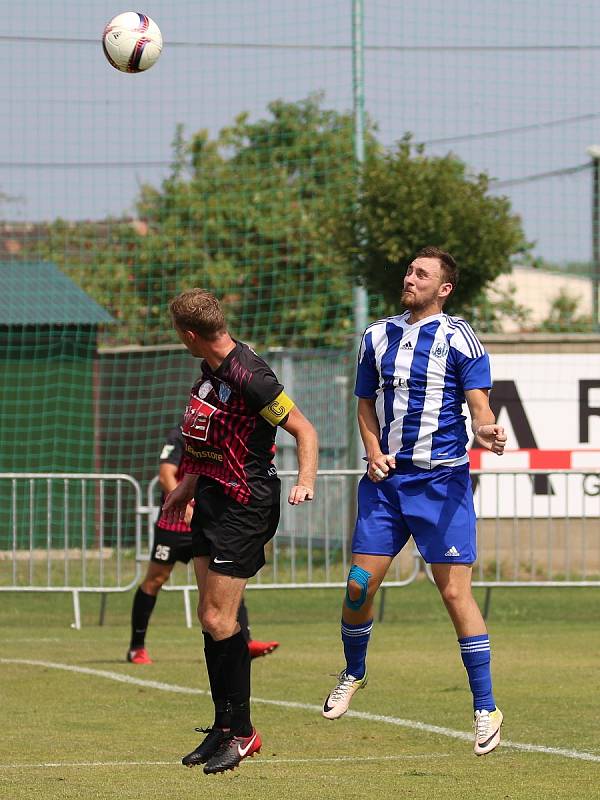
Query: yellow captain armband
point(278, 409)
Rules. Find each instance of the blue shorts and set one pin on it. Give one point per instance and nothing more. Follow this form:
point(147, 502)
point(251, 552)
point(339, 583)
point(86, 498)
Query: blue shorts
point(434, 506)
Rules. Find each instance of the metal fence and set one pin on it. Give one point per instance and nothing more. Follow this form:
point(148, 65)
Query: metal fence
point(538, 528)
point(535, 528)
point(85, 533)
point(70, 532)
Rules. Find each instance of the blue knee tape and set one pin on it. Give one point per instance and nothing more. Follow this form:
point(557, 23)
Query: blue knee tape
point(361, 577)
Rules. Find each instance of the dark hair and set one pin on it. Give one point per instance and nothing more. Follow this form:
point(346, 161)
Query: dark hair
point(199, 311)
point(447, 263)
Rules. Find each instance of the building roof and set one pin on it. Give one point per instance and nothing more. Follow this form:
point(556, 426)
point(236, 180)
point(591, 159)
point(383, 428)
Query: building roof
point(38, 293)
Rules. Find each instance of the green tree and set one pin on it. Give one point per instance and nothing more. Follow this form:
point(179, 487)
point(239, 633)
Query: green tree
point(268, 216)
point(411, 200)
point(253, 215)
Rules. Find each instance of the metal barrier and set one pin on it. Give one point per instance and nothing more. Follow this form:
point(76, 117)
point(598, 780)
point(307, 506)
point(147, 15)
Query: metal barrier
point(69, 532)
point(83, 533)
point(536, 528)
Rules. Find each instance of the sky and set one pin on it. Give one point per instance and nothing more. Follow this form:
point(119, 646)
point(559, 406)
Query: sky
point(510, 87)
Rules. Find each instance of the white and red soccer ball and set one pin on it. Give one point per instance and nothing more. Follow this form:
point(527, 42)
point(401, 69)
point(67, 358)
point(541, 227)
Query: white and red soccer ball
point(132, 42)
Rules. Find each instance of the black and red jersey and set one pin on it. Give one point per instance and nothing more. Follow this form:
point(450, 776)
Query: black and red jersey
point(230, 422)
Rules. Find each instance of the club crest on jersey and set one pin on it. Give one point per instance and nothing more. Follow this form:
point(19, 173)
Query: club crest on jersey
point(204, 390)
point(440, 349)
point(224, 392)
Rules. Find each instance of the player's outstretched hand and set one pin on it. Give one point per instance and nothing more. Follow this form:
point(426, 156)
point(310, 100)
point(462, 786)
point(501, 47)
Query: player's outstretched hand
point(492, 437)
point(299, 494)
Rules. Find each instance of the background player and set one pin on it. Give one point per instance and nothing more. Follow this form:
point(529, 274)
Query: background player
point(229, 430)
point(172, 543)
point(414, 373)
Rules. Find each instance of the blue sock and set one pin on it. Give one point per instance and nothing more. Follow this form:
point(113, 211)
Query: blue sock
point(476, 656)
point(356, 640)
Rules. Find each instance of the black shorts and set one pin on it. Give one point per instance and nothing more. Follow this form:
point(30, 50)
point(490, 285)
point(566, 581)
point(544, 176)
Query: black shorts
point(233, 535)
point(171, 546)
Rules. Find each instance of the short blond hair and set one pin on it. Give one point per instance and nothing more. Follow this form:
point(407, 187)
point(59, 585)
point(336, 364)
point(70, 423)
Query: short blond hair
point(199, 311)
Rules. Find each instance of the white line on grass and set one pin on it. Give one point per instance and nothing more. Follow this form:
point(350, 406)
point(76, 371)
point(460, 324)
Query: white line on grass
point(403, 723)
point(262, 762)
point(20, 640)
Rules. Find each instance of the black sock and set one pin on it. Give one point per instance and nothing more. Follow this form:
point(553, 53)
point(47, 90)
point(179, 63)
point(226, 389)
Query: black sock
point(143, 604)
point(238, 667)
point(232, 666)
point(241, 724)
point(242, 619)
point(218, 687)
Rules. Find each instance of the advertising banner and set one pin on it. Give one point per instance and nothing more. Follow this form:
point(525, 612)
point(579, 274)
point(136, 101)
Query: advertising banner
point(549, 405)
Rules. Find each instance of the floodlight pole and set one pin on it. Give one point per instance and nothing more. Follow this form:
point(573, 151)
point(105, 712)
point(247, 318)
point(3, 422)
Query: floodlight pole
point(359, 293)
point(594, 152)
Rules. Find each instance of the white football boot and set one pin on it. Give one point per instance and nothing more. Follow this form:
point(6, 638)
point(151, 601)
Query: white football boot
point(338, 700)
point(487, 731)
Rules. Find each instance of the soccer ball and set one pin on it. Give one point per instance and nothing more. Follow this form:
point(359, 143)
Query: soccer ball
point(132, 42)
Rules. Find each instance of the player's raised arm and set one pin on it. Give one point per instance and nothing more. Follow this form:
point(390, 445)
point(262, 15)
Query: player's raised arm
point(483, 421)
point(307, 449)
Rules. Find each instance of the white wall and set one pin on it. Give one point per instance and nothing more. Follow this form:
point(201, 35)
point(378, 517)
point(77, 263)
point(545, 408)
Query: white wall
point(537, 289)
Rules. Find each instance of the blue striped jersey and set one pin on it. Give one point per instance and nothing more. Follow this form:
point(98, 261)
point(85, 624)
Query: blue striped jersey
point(417, 375)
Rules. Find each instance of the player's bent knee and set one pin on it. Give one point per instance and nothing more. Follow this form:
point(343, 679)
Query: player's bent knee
point(216, 623)
point(357, 587)
point(209, 621)
point(152, 586)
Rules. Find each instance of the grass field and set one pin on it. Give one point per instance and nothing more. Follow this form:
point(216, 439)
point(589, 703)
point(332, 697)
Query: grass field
point(85, 734)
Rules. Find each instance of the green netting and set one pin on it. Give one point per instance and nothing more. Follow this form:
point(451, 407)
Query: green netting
point(240, 163)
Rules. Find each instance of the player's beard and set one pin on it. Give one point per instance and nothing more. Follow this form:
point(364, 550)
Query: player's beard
point(410, 302)
point(416, 304)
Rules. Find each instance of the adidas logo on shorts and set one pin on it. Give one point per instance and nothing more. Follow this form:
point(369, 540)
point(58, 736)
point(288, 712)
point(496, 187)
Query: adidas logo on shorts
point(453, 552)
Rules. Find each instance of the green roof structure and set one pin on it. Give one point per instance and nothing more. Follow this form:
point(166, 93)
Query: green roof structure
point(38, 293)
